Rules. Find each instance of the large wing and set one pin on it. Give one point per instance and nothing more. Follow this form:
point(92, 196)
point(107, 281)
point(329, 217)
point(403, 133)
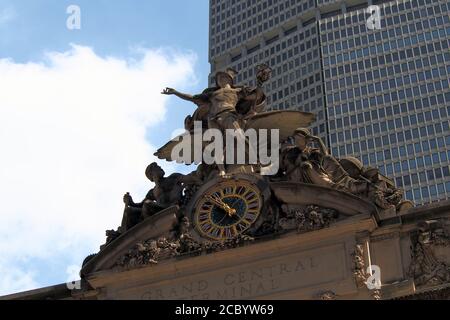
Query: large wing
point(182, 148)
point(186, 144)
point(286, 121)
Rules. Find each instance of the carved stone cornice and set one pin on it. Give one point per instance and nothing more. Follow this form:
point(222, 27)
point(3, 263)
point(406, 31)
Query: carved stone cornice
point(439, 293)
point(327, 295)
point(385, 236)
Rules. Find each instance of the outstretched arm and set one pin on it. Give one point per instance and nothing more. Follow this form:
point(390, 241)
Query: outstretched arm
point(184, 96)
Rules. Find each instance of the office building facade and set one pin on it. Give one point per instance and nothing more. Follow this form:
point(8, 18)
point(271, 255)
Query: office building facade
point(381, 94)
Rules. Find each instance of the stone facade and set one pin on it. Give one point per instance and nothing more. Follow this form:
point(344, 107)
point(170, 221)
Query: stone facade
point(411, 250)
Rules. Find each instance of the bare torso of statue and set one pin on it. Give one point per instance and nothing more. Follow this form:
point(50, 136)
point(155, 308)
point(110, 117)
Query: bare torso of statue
point(224, 99)
point(168, 191)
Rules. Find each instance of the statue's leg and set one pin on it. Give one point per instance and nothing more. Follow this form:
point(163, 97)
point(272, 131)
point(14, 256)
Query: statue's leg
point(220, 161)
point(315, 177)
point(150, 208)
point(131, 217)
point(231, 122)
point(357, 187)
point(189, 123)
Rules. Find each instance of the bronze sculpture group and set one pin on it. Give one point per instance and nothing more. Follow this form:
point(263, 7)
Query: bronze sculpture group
point(224, 205)
point(304, 158)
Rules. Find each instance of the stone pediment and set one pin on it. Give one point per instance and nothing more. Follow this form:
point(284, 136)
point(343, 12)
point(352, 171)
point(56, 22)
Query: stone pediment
point(165, 235)
point(160, 225)
point(346, 204)
point(327, 263)
point(272, 268)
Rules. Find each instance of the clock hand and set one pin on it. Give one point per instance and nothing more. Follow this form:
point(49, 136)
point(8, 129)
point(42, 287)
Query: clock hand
point(234, 202)
point(214, 201)
point(223, 218)
point(217, 201)
point(232, 206)
point(231, 211)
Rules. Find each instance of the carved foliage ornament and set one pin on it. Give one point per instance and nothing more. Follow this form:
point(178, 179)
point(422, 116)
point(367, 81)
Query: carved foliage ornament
point(425, 268)
point(360, 271)
point(359, 266)
point(327, 295)
point(304, 219)
point(154, 250)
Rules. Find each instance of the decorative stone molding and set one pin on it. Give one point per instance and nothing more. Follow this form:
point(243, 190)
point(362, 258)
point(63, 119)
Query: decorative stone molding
point(359, 271)
point(435, 294)
point(386, 236)
point(148, 252)
point(359, 266)
point(327, 295)
point(309, 218)
point(425, 268)
point(376, 294)
point(154, 250)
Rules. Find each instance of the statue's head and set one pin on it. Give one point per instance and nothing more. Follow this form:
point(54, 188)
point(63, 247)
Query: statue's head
point(224, 78)
point(154, 172)
point(301, 136)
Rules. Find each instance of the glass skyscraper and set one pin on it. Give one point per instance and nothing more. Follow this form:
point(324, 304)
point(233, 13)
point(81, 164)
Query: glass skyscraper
point(381, 95)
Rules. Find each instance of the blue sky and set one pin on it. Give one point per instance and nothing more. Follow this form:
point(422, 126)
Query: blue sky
point(111, 28)
point(29, 30)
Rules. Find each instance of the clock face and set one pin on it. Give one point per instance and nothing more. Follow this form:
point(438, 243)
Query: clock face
point(227, 209)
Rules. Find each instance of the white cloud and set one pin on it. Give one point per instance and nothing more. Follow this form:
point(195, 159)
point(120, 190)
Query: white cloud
point(72, 141)
point(14, 279)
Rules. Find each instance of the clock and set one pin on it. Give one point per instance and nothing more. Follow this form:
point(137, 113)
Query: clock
point(227, 209)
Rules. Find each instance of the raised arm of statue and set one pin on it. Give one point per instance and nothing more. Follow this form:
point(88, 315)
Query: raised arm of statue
point(195, 99)
point(184, 96)
point(251, 101)
point(323, 148)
